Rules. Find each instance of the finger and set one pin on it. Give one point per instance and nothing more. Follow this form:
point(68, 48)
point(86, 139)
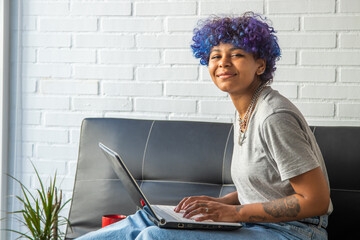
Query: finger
point(196, 211)
point(190, 205)
point(190, 202)
point(199, 203)
point(180, 205)
point(190, 209)
point(191, 213)
point(211, 217)
point(185, 202)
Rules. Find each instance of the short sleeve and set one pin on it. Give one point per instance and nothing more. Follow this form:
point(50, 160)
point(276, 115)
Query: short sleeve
point(288, 144)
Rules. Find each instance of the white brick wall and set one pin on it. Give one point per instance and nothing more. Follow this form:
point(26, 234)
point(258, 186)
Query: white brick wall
point(167, 73)
point(103, 41)
point(132, 89)
point(301, 6)
point(67, 24)
point(129, 56)
point(165, 105)
point(132, 59)
point(100, 9)
point(97, 71)
point(161, 8)
point(231, 7)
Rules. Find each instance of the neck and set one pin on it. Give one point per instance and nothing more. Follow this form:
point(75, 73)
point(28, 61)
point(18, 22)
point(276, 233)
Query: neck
point(242, 100)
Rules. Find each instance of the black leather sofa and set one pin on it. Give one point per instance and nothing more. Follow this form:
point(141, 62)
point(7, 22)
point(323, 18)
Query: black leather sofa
point(174, 159)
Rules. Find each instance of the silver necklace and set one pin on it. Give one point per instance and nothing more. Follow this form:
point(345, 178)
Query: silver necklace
point(244, 122)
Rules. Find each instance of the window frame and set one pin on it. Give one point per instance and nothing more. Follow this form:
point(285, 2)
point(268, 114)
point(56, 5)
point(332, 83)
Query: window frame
point(4, 106)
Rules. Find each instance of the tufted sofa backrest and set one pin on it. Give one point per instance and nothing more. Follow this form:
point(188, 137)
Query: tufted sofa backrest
point(174, 159)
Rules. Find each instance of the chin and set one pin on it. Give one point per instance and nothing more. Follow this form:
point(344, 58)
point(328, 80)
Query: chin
point(226, 86)
point(225, 89)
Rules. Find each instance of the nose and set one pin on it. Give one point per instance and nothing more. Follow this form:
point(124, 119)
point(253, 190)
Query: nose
point(225, 62)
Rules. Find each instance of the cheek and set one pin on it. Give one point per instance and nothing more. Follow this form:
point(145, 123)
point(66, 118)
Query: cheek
point(211, 68)
point(211, 71)
point(250, 67)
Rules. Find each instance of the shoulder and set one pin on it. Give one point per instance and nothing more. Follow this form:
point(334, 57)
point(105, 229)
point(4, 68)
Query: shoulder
point(278, 114)
point(273, 106)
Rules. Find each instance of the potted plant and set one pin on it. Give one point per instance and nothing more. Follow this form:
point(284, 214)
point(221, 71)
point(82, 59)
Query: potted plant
point(40, 213)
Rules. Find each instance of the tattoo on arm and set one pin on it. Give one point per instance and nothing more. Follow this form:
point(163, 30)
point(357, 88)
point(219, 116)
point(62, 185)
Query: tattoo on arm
point(286, 207)
point(255, 218)
point(239, 207)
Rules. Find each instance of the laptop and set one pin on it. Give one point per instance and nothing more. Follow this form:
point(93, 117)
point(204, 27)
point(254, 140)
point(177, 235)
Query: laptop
point(163, 216)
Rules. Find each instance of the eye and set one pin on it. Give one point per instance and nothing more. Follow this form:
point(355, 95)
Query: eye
point(215, 56)
point(237, 55)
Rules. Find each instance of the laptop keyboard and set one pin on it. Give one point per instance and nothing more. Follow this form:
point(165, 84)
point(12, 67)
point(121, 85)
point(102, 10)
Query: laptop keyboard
point(178, 216)
point(169, 211)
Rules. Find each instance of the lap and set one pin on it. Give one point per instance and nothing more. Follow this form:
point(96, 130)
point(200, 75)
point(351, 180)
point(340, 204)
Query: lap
point(139, 227)
point(245, 233)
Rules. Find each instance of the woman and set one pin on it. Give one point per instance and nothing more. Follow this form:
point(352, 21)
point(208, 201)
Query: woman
point(277, 167)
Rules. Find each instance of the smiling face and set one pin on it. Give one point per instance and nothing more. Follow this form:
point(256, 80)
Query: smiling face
point(233, 70)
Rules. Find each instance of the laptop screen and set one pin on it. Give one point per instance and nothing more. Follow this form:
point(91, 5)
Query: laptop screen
point(127, 180)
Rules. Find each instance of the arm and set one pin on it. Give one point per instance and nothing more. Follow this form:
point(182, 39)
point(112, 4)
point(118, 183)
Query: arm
point(230, 198)
point(311, 198)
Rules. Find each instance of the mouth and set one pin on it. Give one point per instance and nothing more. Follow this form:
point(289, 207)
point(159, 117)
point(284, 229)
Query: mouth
point(226, 75)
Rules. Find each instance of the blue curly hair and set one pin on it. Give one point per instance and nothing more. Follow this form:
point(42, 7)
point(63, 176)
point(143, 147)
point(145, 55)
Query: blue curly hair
point(249, 32)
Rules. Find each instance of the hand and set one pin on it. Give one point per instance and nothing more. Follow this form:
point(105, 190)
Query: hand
point(211, 210)
point(187, 200)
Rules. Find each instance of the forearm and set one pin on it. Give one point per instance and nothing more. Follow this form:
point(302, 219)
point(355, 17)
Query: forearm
point(290, 208)
point(231, 199)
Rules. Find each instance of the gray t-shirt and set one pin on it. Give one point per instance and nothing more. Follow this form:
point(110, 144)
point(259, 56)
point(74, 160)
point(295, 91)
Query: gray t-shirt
point(278, 145)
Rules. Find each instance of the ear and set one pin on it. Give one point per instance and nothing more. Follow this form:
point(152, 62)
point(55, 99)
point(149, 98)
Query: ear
point(261, 66)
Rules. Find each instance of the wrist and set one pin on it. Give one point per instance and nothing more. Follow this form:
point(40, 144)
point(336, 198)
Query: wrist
point(239, 209)
point(221, 200)
point(226, 200)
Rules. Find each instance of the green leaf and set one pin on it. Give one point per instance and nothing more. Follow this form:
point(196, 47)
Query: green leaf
point(22, 234)
point(22, 186)
point(41, 214)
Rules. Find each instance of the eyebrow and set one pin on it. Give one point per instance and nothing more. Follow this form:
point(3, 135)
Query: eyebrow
point(231, 49)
